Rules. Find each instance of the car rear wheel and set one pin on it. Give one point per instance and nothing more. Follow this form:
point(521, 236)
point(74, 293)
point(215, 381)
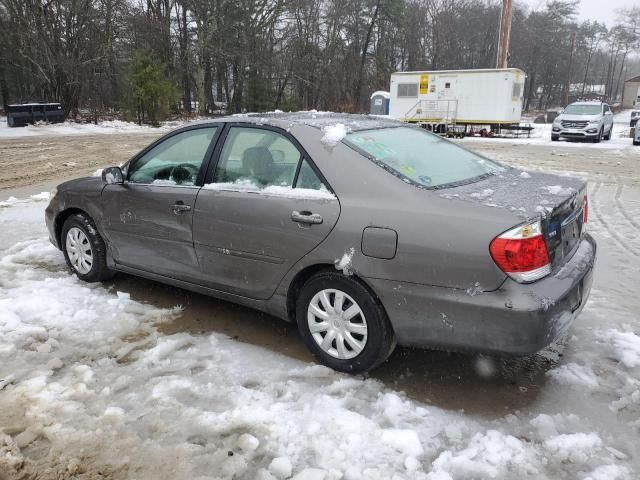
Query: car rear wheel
point(343, 324)
point(84, 250)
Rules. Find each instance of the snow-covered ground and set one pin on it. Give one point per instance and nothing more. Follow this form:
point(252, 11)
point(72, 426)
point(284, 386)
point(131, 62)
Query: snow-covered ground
point(72, 128)
point(541, 135)
point(90, 387)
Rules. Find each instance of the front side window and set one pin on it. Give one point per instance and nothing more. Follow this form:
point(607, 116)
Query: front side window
point(257, 157)
point(583, 110)
point(175, 161)
point(422, 157)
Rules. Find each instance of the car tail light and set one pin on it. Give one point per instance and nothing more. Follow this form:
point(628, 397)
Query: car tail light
point(522, 253)
point(585, 208)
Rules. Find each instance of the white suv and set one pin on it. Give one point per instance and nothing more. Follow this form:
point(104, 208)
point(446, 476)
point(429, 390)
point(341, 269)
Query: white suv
point(584, 120)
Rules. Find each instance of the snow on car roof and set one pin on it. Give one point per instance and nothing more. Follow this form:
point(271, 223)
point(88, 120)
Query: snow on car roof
point(587, 103)
point(354, 122)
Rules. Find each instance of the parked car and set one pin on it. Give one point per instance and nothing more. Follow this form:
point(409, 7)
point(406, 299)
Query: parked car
point(635, 114)
point(22, 114)
point(584, 120)
point(635, 134)
point(367, 232)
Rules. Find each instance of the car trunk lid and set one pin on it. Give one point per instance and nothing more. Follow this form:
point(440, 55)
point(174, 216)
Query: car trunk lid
point(557, 200)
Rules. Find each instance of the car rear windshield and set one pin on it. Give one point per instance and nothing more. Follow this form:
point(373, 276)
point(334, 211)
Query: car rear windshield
point(583, 109)
point(422, 157)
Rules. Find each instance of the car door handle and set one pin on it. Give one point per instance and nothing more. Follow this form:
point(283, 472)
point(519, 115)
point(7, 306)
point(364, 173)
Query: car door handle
point(179, 207)
point(306, 217)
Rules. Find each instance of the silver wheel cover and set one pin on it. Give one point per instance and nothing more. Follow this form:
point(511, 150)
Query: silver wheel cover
point(337, 324)
point(79, 250)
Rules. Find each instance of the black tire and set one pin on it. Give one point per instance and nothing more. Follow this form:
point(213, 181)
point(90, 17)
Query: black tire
point(99, 270)
point(380, 340)
point(607, 137)
point(598, 139)
point(636, 143)
point(555, 138)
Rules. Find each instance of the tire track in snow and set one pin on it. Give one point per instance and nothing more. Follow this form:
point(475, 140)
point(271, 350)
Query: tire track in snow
point(596, 210)
point(620, 205)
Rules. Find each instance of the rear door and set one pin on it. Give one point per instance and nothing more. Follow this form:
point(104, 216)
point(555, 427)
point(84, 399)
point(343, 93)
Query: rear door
point(148, 219)
point(266, 206)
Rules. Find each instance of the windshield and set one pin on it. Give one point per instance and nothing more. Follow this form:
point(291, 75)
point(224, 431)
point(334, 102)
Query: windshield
point(583, 109)
point(422, 157)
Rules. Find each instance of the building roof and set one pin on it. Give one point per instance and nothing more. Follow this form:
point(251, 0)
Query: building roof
point(633, 80)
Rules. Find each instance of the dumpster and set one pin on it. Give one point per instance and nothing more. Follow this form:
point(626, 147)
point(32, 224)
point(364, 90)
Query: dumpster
point(21, 114)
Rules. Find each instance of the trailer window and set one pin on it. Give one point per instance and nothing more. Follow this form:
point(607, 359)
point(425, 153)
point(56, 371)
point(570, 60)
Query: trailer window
point(517, 90)
point(407, 90)
point(421, 157)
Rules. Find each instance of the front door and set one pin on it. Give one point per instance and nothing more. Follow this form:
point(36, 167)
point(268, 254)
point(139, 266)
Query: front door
point(266, 207)
point(148, 219)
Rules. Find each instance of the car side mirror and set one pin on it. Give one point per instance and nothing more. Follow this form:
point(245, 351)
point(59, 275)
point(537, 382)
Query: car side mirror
point(112, 175)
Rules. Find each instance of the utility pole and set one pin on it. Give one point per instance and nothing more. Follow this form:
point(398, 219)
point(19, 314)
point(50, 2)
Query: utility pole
point(504, 36)
point(567, 82)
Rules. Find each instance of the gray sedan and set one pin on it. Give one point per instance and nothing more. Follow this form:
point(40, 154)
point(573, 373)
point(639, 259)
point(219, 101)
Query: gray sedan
point(366, 232)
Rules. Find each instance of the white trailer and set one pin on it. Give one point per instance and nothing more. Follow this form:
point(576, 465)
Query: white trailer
point(464, 97)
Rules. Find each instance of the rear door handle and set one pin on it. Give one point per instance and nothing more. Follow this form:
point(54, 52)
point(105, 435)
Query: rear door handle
point(179, 207)
point(306, 217)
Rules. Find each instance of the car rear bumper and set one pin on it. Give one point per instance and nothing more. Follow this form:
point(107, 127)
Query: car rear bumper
point(518, 319)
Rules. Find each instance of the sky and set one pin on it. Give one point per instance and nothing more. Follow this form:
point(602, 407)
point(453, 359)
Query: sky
point(601, 10)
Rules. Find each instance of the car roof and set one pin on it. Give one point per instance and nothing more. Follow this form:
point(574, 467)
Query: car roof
point(353, 122)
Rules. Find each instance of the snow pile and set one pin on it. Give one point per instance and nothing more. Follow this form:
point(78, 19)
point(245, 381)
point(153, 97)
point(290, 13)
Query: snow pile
point(72, 128)
point(625, 347)
point(488, 455)
point(525, 175)
point(345, 263)
point(576, 375)
point(334, 134)
point(574, 447)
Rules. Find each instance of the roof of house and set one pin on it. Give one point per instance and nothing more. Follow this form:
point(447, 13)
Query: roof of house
point(633, 80)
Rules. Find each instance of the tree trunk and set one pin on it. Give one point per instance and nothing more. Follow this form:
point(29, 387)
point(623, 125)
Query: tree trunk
point(363, 58)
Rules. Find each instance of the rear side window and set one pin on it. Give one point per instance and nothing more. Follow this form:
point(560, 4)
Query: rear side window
point(421, 157)
point(257, 157)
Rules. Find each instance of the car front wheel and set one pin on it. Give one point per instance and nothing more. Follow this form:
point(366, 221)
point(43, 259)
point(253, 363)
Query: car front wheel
point(343, 324)
point(84, 250)
point(598, 138)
